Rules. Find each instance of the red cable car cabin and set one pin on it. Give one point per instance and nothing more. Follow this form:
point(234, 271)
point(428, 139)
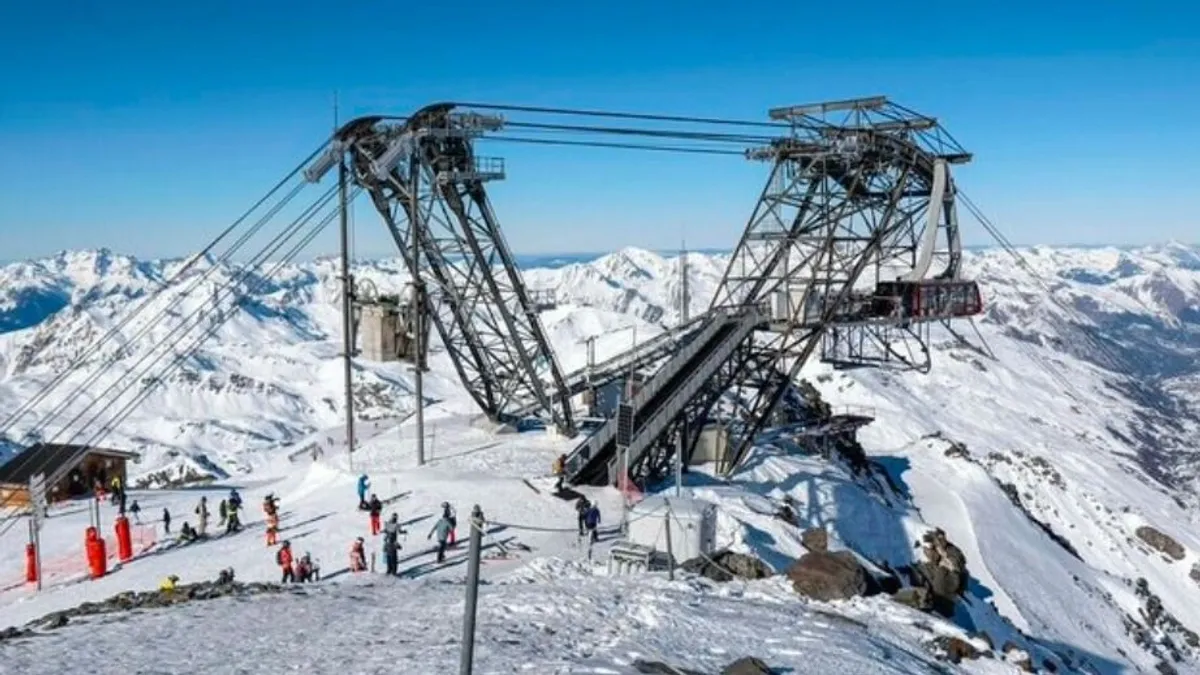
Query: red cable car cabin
point(930, 299)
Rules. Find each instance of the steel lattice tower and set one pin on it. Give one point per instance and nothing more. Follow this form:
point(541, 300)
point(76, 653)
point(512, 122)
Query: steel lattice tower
point(848, 204)
point(424, 171)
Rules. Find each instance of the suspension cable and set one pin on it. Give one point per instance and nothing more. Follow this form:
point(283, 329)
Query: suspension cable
point(626, 115)
point(620, 146)
point(244, 273)
point(26, 407)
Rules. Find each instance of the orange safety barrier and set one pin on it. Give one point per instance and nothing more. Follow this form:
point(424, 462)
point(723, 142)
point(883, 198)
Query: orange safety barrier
point(94, 548)
point(30, 563)
point(124, 540)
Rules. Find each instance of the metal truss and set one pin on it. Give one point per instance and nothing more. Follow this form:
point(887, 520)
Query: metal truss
point(845, 207)
point(423, 177)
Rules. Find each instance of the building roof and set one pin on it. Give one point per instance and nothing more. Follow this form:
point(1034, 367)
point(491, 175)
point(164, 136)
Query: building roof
point(48, 458)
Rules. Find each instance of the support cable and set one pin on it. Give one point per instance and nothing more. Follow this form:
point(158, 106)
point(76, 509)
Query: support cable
point(153, 322)
point(246, 272)
point(26, 407)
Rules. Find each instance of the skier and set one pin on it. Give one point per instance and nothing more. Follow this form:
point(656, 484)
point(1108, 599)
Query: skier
point(306, 571)
point(591, 519)
point(376, 508)
point(121, 503)
point(202, 517)
point(449, 514)
point(232, 522)
point(116, 489)
point(223, 511)
point(581, 508)
point(283, 557)
point(271, 509)
point(235, 500)
point(442, 528)
point(168, 584)
point(391, 544)
point(225, 576)
point(166, 520)
point(363, 484)
point(358, 556)
point(136, 510)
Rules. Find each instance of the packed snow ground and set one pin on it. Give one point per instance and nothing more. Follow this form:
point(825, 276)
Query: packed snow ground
point(1059, 443)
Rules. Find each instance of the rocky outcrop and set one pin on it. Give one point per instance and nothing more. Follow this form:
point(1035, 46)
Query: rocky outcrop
point(918, 597)
point(1161, 542)
point(131, 600)
point(954, 649)
point(726, 566)
point(828, 576)
point(1158, 631)
point(943, 572)
point(747, 665)
point(660, 668)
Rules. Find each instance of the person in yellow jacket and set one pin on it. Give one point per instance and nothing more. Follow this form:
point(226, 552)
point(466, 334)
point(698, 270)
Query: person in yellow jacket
point(168, 584)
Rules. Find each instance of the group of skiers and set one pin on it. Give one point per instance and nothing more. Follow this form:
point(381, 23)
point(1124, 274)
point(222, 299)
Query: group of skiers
point(302, 571)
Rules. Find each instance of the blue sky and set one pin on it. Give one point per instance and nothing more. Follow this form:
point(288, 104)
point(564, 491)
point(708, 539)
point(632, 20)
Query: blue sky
point(148, 126)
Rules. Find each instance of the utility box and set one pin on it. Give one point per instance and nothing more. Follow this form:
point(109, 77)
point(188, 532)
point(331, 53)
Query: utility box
point(693, 524)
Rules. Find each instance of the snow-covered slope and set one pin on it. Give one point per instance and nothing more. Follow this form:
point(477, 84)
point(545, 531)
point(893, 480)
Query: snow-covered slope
point(1065, 472)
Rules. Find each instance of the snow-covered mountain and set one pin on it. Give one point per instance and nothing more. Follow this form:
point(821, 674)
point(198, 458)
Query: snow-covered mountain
point(1061, 458)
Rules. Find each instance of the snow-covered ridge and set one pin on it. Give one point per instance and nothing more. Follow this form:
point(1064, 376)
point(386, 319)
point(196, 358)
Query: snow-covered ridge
point(1066, 478)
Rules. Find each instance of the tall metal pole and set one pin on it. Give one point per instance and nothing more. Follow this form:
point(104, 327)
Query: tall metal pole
point(418, 308)
point(347, 312)
point(670, 549)
point(476, 544)
point(683, 435)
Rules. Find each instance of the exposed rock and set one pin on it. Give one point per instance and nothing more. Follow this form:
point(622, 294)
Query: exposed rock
point(955, 649)
point(944, 571)
point(815, 539)
point(917, 597)
point(1195, 573)
point(660, 668)
point(123, 602)
point(1161, 542)
point(828, 576)
point(720, 565)
point(1159, 632)
point(957, 450)
point(747, 665)
point(1018, 657)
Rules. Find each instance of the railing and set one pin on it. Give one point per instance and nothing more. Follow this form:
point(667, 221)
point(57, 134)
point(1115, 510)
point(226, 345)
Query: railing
point(698, 378)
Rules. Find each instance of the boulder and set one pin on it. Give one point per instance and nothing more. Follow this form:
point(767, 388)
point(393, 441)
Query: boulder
point(1161, 542)
point(828, 576)
point(747, 665)
point(726, 566)
point(815, 539)
point(955, 649)
point(917, 597)
point(944, 571)
point(660, 668)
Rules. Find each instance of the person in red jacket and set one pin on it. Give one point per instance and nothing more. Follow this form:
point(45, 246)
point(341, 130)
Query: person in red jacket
point(358, 556)
point(284, 557)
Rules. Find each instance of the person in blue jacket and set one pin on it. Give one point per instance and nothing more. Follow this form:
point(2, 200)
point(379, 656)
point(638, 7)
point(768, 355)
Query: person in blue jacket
point(591, 519)
point(363, 485)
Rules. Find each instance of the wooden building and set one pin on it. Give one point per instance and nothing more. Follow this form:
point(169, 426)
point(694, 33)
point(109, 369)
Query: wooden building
point(97, 465)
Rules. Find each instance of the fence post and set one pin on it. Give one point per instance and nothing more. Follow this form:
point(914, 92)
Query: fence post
point(670, 550)
point(468, 642)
